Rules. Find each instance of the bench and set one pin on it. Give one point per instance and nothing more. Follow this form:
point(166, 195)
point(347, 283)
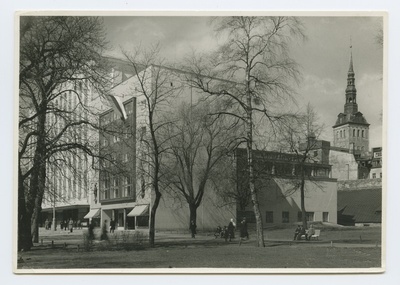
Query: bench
point(316, 234)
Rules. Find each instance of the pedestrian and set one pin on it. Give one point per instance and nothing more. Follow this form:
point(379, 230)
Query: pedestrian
point(302, 233)
point(65, 223)
point(104, 235)
point(91, 231)
point(243, 230)
point(192, 228)
point(112, 226)
point(46, 224)
point(79, 224)
point(71, 225)
point(62, 223)
point(231, 230)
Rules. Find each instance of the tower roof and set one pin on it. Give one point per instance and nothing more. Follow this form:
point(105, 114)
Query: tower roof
point(351, 70)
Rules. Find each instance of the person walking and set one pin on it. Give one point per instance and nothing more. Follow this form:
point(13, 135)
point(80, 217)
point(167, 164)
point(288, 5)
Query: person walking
point(192, 228)
point(71, 225)
point(112, 226)
point(243, 230)
point(231, 230)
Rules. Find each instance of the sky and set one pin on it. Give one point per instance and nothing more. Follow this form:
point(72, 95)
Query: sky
point(324, 58)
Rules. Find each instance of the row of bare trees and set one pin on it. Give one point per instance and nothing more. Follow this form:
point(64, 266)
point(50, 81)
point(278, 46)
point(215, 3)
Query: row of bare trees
point(250, 75)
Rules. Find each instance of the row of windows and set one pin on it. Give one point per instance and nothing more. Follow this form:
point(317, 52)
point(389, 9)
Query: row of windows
point(374, 175)
point(116, 187)
point(104, 141)
point(66, 187)
point(114, 116)
point(286, 169)
point(285, 217)
point(356, 133)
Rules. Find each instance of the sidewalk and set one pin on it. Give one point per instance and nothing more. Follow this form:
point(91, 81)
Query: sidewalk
point(61, 238)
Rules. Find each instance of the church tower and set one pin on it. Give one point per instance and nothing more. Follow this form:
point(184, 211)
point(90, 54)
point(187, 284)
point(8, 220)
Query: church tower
point(351, 130)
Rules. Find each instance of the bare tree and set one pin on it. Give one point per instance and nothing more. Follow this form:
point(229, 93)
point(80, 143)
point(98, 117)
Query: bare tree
point(198, 143)
point(300, 136)
point(155, 88)
point(58, 55)
point(253, 71)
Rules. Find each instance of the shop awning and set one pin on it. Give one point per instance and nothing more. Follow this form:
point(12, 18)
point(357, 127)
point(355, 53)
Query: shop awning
point(140, 210)
point(95, 213)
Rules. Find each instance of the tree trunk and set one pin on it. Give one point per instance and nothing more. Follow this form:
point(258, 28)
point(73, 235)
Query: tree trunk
point(24, 222)
point(38, 204)
point(193, 213)
point(253, 191)
point(303, 208)
point(37, 181)
point(152, 225)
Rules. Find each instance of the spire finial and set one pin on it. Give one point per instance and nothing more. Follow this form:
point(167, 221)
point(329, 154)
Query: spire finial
point(351, 57)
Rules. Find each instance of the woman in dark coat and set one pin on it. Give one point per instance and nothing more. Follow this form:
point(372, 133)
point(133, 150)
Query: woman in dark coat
point(231, 230)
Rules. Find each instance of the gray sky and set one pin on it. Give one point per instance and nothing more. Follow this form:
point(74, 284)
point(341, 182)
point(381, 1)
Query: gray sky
point(323, 57)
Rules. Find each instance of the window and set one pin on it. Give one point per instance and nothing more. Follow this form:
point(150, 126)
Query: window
point(310, 216)
point(127, 186)
point(315, 153)
point(358, 133)
point(269, 216)
point(340, 133)
point(380, 175)
point(325, 217)
point(285, 217)
point(373, 175)
point(79, 186)
point(362, 133)
point(116, 187)
point(344, 133)
point(354, 132)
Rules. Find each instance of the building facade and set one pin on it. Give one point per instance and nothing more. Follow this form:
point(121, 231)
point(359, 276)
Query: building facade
point(376, 163)
point(278, 180)
point(70, 178)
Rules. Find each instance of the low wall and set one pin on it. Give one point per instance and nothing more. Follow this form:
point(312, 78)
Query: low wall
point(360, 184)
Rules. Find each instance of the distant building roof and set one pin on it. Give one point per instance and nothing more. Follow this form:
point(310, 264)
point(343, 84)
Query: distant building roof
point(364, 206)
point(356, 118)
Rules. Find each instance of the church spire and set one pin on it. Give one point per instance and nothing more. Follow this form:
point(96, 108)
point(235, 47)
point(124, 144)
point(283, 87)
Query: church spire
point(350, 107)
point(351, 58)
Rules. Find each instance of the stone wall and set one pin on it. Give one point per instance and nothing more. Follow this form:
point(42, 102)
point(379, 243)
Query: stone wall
point(360, 184)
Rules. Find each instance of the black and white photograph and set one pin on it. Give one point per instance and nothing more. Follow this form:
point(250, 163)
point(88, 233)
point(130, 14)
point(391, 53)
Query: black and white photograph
point(200, 142)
